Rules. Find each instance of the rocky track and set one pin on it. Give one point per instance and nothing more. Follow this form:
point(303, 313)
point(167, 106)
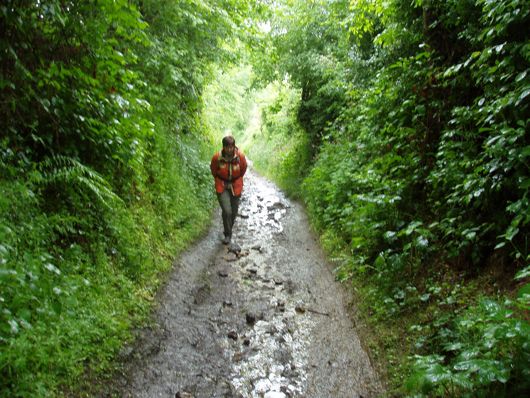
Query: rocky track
point(262, 317)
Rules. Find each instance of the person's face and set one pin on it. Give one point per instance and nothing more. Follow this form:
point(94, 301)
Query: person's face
point(229, 150)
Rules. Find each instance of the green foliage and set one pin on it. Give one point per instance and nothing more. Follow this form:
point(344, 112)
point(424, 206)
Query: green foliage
point(67, 172)
point(103, 148)
point(486, 352)
point(401, 123)
point(275, 142)
point(422, 152)
point(305, 36)
point(229, 100)
point(480, 162)
point(417, 114)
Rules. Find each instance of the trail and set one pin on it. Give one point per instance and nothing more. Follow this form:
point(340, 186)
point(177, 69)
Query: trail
point(267, 321)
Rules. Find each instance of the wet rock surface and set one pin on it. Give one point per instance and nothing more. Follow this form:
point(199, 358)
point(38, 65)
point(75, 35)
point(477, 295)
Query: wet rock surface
point(262, 317)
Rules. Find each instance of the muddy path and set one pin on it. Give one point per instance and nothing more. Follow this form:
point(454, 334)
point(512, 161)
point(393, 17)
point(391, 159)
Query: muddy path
point(265, 319)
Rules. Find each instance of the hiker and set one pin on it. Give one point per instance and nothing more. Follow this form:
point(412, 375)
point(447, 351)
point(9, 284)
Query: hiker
point(228, 167)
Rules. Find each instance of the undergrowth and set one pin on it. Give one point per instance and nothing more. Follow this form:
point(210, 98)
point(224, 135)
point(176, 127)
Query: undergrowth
point(75, 282)
point(439, 333)
point(416, 116)
point(440, 327)
point(104, 175)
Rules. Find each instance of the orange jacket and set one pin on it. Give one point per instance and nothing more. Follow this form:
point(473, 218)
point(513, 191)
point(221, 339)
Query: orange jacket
point(229, 171)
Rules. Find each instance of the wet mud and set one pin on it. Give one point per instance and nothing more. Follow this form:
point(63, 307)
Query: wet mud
point(262, 317)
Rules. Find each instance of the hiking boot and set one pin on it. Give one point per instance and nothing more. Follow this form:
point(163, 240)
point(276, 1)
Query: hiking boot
point(226, 240)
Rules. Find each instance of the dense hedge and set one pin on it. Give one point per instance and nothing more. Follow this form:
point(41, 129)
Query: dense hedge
point(103, 172)
point(417, 113)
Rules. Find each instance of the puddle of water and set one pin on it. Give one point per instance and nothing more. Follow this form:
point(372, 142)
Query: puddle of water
point(263, 208)
point(274, 363)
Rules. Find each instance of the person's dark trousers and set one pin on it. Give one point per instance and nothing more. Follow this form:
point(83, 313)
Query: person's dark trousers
point(229, 206)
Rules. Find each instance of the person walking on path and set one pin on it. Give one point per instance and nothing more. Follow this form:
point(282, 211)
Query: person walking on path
point(228, 167)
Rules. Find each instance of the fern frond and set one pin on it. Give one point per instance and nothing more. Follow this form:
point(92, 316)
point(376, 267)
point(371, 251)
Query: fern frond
point(61, 169)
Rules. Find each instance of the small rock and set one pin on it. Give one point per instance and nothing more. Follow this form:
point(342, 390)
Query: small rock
point(227, 303)
point(275, 394)
point(246, 342)
point(238, 356)
point(251, 319)
point(182, 394)
point(299, 309)
point(272, 330)
point(262, 386)
point(234, 248)
point(231, 258)
point(253, 270)
point(223, 273)
point(289, 373)
point(256, 247)
point(276, 206)
point(243, 253)
point(232, 335)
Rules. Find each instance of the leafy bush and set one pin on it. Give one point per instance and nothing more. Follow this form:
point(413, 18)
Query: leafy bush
point(485, 352)
point(420, 171)
point(103, 148)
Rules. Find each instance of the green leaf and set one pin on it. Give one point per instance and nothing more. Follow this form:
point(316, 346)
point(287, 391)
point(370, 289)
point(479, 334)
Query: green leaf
point(437, 373)
point(525, 183)
point(524, 273)
point(52, 268)
point(453, 346)
point(500, 245)
point(523, 95)
point(511, 232)
point(422, 242)
point(14, 326)
point(520, 76)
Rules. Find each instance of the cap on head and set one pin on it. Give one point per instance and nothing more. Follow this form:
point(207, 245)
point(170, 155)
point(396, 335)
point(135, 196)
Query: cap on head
point(229, 141)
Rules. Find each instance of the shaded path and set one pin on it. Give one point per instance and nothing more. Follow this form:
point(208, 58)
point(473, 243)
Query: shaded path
point(268, 321)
